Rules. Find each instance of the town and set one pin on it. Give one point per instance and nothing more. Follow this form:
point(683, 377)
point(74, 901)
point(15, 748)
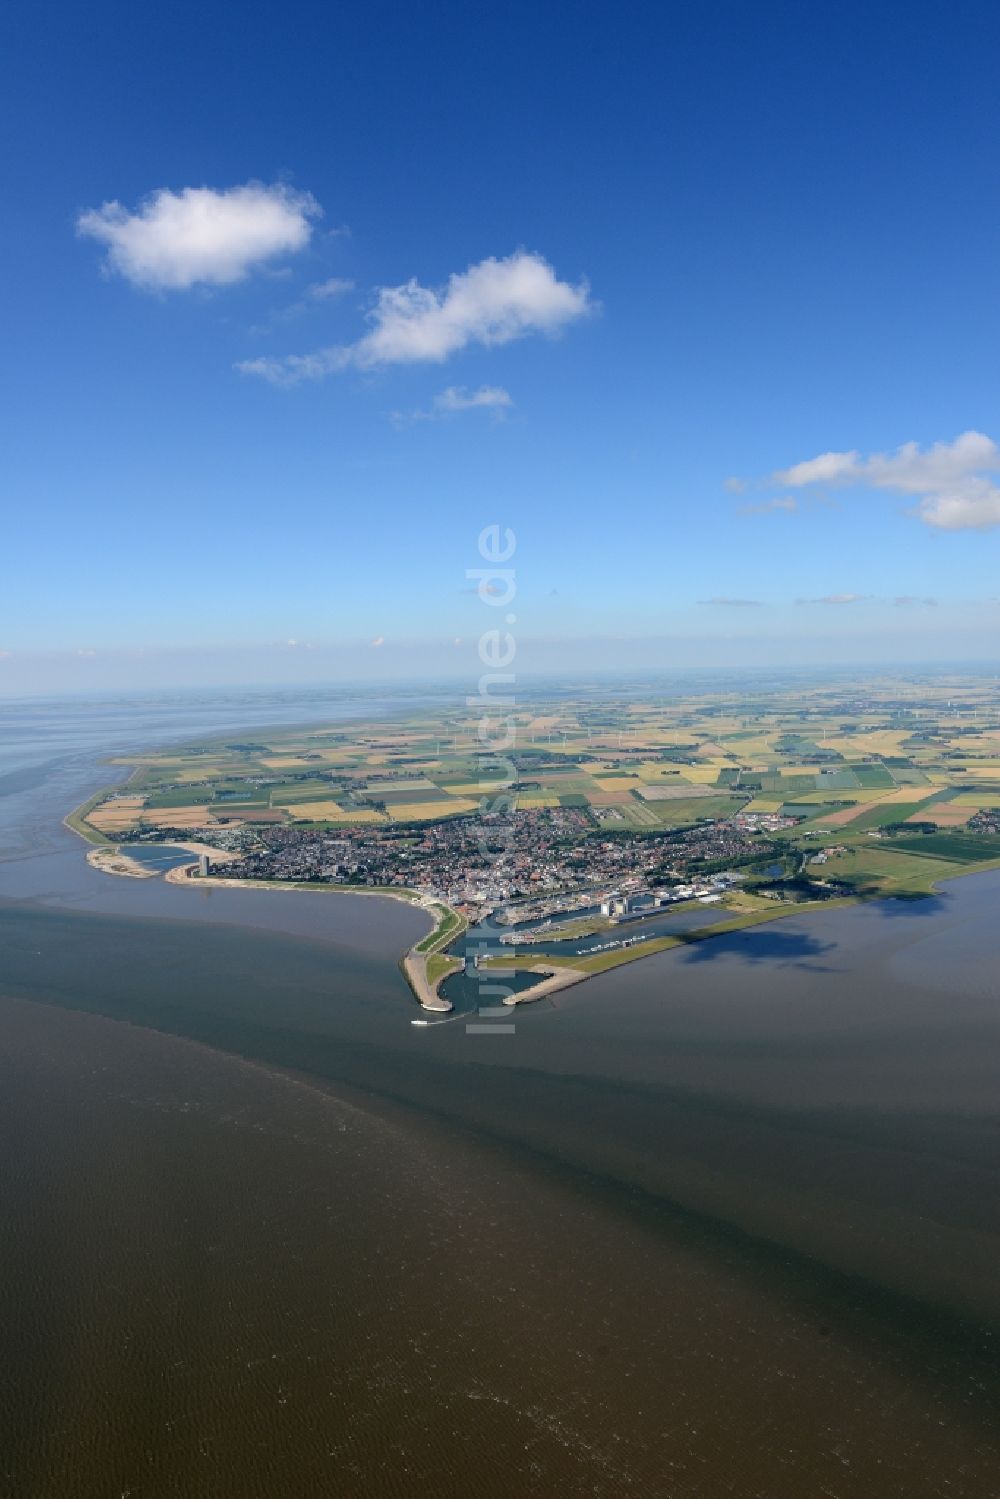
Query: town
point(612, 809)
point(550, 858)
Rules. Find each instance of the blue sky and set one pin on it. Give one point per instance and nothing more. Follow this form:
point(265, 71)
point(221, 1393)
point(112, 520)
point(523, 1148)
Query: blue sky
point(379, 276)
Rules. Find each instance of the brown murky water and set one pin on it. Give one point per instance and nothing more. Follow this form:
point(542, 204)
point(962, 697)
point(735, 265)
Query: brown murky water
point(726, 1223)
point(577, 1262)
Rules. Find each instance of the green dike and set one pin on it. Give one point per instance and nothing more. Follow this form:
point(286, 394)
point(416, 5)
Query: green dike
point(75, 821)
point(439, 964)
point(602, 962)
point(449, 925)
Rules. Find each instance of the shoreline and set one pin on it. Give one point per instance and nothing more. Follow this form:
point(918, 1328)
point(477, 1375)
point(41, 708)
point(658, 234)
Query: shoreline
point(110, 860)
point(106, 857)
point(555, 973)
point(413, 964)
point(557, 977)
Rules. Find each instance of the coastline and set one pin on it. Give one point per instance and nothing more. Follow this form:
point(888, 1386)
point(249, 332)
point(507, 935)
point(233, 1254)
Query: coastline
point(554, 972)
point(413, 964)
point(556, 977)
point(110, 860)
point(107, 858)
point(414, 969)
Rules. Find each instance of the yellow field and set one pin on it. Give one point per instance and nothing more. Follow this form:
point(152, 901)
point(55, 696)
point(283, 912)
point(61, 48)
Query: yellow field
point(853, 746)
point(109, 822)
point(754, 746)
point(764, 804)
point(328, 811)
point(314, 753)
point(420, 783)
point(200, 773)
point(902, 794)
point(672, 792)
point(946, 815)
point(478, 789)
point(426, 811)
point(650, 770)
point(178, 817)
point(115, 816)
point(866, 794)
point(122, 804)
point(848, 814)
point(528, 799)
point(704, 775)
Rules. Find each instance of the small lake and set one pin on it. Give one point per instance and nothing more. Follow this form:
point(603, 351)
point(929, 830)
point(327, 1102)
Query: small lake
point(158, 856)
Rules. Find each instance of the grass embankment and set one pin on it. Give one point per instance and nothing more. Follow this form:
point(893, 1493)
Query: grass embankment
point(76, 821)
point(603, 961)
point(439, 965)
point(600, 962)
point(449, 926)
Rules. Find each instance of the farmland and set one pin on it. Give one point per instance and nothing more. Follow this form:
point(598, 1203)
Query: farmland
point(803, 793)
point(847, 758)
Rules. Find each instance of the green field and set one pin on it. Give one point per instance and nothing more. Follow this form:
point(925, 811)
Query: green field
point(960, 848)
point(873, 775)
point(807, 750)
point(438, 965)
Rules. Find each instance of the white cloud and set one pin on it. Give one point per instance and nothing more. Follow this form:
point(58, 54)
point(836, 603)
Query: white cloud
point(951, 479)
point(178, 240)
point(971, 506)
point(459, 398)
point(491, 303)
point(735, 485)
point(379, 640)
point(786, 502)
point(335, 286)
point(828, 468)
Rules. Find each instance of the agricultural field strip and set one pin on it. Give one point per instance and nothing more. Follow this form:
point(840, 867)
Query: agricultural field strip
point(649, 764)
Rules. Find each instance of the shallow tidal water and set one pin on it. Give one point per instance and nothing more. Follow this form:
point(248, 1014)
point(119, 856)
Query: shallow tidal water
point(725, 1222)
